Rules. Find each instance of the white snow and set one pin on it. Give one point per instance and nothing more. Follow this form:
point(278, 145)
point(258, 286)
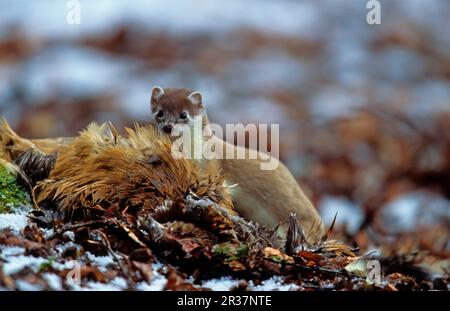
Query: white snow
point(7, 251)
point(222, 284)
point(348, 213)
point(53, 281)
point(48, 233)
point(14, 222)
point(70, 264)
point(158, 281)
point(69, 235)
point(26, 286)
point(102, 262)
point(410, 211)
point(157, 284)
point(14, 264)
point(71, 70)
point(334, 102)
point(275, 283)
point(96, 286)
point(116, 284)
point(430, 97)
point(120, 283)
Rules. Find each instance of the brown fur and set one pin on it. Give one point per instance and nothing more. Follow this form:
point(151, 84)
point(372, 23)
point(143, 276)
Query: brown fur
point(175, 99)
point(269, 196)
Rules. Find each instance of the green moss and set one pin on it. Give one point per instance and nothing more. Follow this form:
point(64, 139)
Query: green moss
point(12, 195)
point(46, 265)
point(230, 252)
point(276, 258)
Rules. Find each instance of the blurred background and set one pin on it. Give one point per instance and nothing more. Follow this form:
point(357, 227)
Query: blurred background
point(364, 110)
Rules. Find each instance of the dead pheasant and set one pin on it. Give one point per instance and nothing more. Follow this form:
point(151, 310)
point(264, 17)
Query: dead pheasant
point(102, 170)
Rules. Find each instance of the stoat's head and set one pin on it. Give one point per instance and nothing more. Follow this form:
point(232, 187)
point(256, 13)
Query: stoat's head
point(176, 106)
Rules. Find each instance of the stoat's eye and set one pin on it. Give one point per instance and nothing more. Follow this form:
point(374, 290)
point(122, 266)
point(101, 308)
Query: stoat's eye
point(160, 114)
point(183, 115)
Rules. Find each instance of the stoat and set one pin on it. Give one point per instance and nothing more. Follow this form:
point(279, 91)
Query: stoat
point(267, 197)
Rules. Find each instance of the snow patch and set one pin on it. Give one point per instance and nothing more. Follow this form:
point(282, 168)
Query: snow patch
point(7, 251)
point(15, 264)
point(348, 213)
point(101, 261)
point(116, 284)
point(53, 281)
point(120, 283)
point(410, 211)
point(157, 283)
point(15, 222)
point(222, 284)
point(334, 102)
point(26, 286)
point(275, 283)
point(72, 71)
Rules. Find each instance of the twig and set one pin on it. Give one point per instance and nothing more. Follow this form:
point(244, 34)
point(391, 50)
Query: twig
point(118, 258)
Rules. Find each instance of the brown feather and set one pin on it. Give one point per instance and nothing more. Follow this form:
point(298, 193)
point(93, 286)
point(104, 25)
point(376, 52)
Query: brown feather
point(101, 168)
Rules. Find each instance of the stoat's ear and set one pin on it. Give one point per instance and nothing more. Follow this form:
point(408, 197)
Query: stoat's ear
point(157, 92)
point(196, 98)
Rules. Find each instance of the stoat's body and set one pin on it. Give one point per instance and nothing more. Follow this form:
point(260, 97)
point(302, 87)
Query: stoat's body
point(265, 196)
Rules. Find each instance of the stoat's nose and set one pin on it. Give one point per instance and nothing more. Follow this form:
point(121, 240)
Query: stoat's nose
point(168, 128)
